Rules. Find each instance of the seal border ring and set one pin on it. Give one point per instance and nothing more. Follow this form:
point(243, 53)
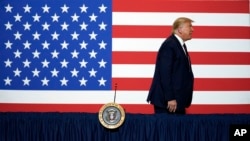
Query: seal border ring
point(122, 114)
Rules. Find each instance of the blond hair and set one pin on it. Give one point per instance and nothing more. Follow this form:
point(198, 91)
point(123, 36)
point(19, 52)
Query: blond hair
point(179, 21)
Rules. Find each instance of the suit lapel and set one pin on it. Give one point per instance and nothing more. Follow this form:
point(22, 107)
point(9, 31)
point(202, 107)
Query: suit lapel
point(179, 45)
point(181, 50)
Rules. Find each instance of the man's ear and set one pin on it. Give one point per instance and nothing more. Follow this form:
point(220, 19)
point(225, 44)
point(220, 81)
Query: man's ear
point(179, 30)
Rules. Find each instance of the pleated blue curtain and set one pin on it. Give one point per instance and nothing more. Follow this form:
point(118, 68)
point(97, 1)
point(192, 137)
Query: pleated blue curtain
point(136, 127)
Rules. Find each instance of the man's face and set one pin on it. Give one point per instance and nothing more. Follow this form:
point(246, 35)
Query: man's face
point(186, 30)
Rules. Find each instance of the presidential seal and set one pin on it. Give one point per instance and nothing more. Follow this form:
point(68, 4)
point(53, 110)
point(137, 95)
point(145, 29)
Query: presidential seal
point(111, 115)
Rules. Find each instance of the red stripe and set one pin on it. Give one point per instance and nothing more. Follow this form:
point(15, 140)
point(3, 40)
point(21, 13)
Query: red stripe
point(232, 32)
point(239, 58)
point(129, 108)
point(133, 57)
point(9, 107)
point(201, 84)
point(209, 6)
point(222, 84)
point(219, 109)
point(225, 58)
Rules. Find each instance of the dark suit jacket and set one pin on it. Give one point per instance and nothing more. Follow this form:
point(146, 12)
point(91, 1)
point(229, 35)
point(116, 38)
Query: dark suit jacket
point(173, 76)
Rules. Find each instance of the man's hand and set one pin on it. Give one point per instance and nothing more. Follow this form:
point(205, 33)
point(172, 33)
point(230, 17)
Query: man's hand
point(172, 105)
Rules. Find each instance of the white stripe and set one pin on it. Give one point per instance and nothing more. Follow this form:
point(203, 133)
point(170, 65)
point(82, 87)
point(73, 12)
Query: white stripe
point(200, 71)
point(122, 97)
point(65, 97)
point(219, 45)
point(221, 97)
point(194, 45)
point(167, 18)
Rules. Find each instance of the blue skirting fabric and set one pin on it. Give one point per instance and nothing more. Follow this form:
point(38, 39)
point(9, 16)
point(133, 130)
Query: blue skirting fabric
point(136, 127)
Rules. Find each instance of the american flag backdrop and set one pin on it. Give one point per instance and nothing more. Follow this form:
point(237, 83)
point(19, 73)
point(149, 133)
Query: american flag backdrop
point(70, 55)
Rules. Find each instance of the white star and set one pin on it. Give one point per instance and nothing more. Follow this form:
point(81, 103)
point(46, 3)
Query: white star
point(102, 8)
point(26, 63)
point(93, 17)
point(8, 45)
point(75, 18)
point(7, 81)
point(83, 63)
point(27, 26)
point(8, 26)
point(26, 45)
point(65, 8)
point(36, 18)
point(92, 73)
point(8, 63)
point(27, 8)
point(17, 54)
point(92, 54)
point(54, 73)
point(55, 18)
point(64, 26)
point(83, 26)
point(102, 63)
point(45, 45)
point(64, 45)
point(74, 73)
point(74, 36)
point(83, 45)
point(45, 26)
point(35, 72)
point(55, 54)
point(102, 26)
point(64, 63)
point(45, 81)
point(8, 8)
point(102, 81)
point(64, 81)
point(83, 81)
point(74, 54)
point(18, 17)
point(93, 36)
point(36, 54)
point(45, 63)
point(45, 9)
point(55, 36)
point(36, 36)
point(83, 8)
point(17, 35)
point(26, 81)
point(17, 72)
point(102, 45)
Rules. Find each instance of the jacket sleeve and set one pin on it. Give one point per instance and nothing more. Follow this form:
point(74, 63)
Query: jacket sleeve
point(166, 64)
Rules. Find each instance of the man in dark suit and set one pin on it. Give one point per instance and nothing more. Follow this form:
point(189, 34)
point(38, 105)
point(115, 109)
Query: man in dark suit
point(172, 86)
